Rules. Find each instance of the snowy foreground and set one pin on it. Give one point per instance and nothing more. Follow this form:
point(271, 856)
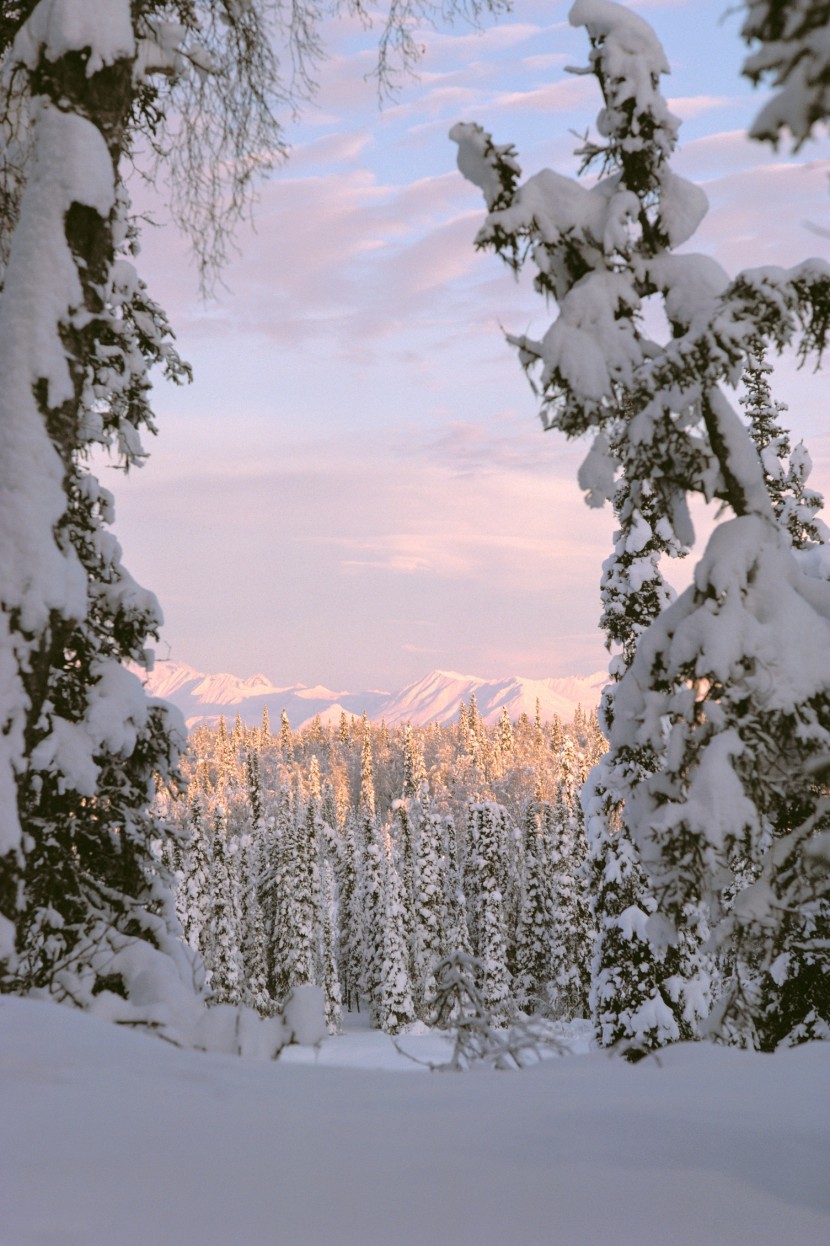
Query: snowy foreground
point(112, 1138)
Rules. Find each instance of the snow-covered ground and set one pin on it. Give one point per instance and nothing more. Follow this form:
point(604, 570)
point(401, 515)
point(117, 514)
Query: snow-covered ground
point(112, 1138)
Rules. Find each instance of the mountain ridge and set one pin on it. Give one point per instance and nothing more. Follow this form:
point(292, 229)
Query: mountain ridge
point(435, 698)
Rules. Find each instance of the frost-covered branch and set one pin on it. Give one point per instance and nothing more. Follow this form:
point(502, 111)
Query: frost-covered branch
point(791, 40)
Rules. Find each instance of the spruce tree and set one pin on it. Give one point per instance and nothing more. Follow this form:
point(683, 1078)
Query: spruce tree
point(571, 927)
point(786, 470)
point(350, 938)
point(491, 942)
point(458, 930)
point(534, 939)
point(373, 896)
point(394, 1007)
point(286, 738)
point(637, 997)
point(414, 770)
point(430, 932)
point(328, 952)
point(302, 902)
point(252, 922)
point(197, 874)
point(719, 725)
point(226, 972)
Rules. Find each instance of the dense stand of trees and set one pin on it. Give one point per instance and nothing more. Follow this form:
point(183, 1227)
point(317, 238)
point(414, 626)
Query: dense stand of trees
point(357, 857)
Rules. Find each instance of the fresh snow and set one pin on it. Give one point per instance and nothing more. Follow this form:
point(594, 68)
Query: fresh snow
point(110, 1136)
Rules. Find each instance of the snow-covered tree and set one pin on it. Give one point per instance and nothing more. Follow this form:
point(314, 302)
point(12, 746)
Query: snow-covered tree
point(301, 907)
point(725, 722)
point(285, 737)
point(226, 971)
point(786, 470)
point(793, 56)
point(430, 926)
point(572, 930)
point(350, 938)
point(458, 930)
point(414, 770)
point(491, 932)
point(253, 936)
point(373, 896)
point(636, 989)
point(197, 869)
point(328, 951)
point(78, 886)
point(534, 936)
point(394, 1004)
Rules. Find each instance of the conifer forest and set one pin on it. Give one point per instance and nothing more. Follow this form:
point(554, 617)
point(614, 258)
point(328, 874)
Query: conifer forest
point(357, 858)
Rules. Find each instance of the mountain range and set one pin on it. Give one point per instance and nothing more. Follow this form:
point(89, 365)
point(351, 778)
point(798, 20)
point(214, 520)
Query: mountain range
point(436, 698)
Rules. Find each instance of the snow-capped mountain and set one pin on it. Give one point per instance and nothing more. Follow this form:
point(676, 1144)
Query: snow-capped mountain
point(437, 697)
point(434, 699)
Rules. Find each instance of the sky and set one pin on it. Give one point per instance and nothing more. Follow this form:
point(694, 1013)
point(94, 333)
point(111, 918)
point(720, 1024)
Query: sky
point(356, 488)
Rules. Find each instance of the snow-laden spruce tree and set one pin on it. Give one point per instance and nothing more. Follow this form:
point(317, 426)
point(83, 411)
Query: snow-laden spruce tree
point(80, 892)
point(328, 951)
point(196, 874)
point(350, 925)
point(394, 1006)
point(85, 905)
point(723, 715)
point(786, 469)
point(534, 937)
point(571, 929)
point(793, 56)
point(224, 961)
point(488, 864)
point(430, 934)
point(641, 997)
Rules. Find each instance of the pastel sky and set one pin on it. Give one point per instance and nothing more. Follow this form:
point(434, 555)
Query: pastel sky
point(356, 488)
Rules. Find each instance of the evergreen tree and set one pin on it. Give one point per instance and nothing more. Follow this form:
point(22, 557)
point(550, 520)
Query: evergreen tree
point(786, 470)
point(636, 998)
point(301, 910)
point(572, 928)
point(792, 54)
point(430, 907)
point(394, 1006)
point(373, 895)
point(83, 894)
point(534, 940)
point(283, 871)
point(458, 931)
point(328, 952)
point(286, 738)
point(366, 798)
point(197, 874)
point(350, 944)
point(407, 817)
point(225, 960)
point(491, 946)
point(723, 725)
point(252, 921)
point(414, 770)
point(254, 785)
